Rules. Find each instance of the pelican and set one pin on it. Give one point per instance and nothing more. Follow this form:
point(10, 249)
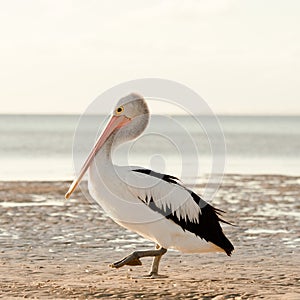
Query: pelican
point(156, 206)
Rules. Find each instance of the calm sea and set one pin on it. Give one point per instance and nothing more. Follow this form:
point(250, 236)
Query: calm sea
point(39, 147)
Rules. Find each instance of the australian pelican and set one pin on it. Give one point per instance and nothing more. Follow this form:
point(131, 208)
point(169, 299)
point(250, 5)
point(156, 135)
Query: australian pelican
point(154, 205)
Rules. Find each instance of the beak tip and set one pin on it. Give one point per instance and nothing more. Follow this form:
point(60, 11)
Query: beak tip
point(67, 195)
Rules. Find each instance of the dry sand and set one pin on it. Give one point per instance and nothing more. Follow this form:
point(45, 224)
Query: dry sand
point(55, 249)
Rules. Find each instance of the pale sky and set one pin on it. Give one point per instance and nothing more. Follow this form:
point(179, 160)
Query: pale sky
point(242, 57)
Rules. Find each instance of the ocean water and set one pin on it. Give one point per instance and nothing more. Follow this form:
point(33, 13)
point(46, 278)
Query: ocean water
point(40, 147)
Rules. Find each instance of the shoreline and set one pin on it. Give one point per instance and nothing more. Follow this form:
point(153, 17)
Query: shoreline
point(203, 176)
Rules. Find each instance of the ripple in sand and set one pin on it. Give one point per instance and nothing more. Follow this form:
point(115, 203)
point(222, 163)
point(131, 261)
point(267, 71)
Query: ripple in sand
point(265, 231)
point(49, 202)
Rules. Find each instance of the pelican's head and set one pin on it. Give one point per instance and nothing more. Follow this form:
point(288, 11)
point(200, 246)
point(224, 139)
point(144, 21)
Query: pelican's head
point(131, 116)
point(131, 106)
point(129, 119)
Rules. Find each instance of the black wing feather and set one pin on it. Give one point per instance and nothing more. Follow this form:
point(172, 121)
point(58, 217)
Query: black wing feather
point(208, 227)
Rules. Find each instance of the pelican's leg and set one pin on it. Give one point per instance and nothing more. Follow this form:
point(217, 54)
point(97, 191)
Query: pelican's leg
point(133, 259)
point(155, 264)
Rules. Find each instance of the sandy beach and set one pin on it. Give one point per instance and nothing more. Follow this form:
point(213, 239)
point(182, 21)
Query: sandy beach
point(57, 249)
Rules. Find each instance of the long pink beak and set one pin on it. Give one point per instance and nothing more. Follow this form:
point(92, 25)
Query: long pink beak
point(114, 123)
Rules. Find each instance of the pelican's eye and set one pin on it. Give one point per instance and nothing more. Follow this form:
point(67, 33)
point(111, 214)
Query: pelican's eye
point(119, 110)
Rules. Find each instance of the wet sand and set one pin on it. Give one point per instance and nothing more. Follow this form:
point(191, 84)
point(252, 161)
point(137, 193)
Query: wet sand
point(52, 248)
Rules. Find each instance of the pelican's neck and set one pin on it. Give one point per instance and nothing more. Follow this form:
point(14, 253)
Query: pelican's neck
point(102, 168)
point(104, 155)
point(103, 159)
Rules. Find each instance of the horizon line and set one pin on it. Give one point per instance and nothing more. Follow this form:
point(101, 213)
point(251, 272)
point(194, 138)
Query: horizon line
point(156, 114)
